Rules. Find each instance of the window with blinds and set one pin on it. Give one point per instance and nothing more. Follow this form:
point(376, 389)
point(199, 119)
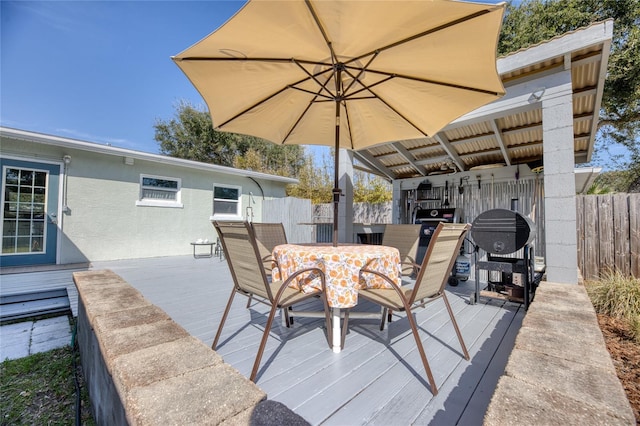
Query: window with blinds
point(159, 191)
point(227, 202)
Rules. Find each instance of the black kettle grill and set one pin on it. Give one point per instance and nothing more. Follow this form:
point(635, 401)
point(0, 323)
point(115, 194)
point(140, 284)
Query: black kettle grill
point(501, 232)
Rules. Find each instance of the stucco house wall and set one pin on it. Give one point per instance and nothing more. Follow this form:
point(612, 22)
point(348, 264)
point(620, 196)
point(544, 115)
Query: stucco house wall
point(100, 217)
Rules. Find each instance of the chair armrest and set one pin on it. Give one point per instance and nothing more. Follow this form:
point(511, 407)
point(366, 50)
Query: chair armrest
point(293, 276)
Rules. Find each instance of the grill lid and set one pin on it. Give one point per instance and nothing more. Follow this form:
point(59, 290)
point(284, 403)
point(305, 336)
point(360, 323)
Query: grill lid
point(501, 231)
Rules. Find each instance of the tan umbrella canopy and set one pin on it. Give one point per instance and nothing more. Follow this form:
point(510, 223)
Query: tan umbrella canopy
point(348, 74)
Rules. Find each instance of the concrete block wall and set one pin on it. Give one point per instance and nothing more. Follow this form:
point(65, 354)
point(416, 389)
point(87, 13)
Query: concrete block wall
point(559, 372)
point(142, 368)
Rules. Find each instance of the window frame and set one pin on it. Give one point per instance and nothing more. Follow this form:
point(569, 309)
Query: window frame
point(226, 216)
point(151, 202)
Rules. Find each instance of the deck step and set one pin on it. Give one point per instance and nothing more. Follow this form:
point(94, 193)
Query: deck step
point(32, 304)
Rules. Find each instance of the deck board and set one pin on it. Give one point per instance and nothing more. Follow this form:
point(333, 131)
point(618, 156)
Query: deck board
point(16, 283)
point(464, 383)
point(377, 379)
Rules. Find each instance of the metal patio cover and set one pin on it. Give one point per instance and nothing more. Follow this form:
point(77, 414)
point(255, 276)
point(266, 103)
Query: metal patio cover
point(348, 74)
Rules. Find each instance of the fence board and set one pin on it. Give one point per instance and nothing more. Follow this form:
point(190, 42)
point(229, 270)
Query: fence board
point(621, 233)
point(605, 231)
point(634, 234)
point(608, 230)
point(580, 230)
point(292, 213)
point(591, 249)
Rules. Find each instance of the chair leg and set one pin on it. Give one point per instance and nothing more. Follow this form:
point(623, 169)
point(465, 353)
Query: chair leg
point(455, 326)
point(224, 318)
point(288, 320)
point(414, 329)
point(248, 301)
point(263, 342)
point(384, 318)
point(327, 320)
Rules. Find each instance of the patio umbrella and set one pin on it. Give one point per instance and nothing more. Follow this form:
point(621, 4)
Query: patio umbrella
point(348, 74)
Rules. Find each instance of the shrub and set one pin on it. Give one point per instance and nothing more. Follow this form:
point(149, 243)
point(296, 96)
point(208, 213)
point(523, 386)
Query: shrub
point(617, 296)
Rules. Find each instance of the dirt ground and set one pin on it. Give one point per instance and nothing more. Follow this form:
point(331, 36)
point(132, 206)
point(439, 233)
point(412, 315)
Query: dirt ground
point(625, 354)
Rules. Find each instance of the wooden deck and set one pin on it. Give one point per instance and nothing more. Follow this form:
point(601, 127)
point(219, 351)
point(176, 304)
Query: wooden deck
point(378, 377)
point(26, 280)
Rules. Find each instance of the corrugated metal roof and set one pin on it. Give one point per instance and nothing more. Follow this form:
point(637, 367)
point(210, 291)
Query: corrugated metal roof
point(518, 131)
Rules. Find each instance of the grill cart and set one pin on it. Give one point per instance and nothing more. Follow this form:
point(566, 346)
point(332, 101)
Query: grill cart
point(512, 273)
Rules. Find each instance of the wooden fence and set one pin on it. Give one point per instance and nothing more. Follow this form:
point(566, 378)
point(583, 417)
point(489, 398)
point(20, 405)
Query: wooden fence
point(608, 229)
point(362, 212)
point(294, 214)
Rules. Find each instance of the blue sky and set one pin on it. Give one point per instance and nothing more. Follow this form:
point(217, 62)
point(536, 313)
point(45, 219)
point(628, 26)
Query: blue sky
point(99, 71)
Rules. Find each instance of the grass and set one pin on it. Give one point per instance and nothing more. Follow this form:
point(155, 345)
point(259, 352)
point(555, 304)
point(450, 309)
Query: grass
point(617, 296)
point(40, 389)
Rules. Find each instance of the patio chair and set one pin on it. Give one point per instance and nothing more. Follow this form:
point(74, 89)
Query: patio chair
point(268, 235)
point(405, 238)
point(428, 287)
point(249, 279)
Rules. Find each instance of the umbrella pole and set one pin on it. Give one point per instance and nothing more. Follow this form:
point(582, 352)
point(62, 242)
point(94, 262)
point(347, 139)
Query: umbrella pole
point(336, 178)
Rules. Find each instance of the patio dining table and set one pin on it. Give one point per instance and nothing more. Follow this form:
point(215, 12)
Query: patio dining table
point(342, 265)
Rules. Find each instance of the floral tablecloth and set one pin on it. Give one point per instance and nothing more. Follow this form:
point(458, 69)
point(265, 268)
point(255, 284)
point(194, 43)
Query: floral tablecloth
point(341, 265)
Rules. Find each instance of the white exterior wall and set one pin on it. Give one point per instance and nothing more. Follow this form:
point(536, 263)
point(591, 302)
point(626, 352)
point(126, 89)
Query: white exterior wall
point(345, 206)
point(103, 221)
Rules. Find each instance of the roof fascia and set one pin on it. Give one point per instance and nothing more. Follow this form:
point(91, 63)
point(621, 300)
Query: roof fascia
point(59, 141)
point(598, 33)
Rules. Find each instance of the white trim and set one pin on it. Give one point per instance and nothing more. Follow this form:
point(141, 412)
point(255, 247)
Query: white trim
point(150, 202)
point(32, 159)
point(61, 212)
point(52, 140)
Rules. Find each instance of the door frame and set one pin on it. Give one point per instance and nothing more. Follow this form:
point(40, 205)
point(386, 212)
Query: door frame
point(60, 188)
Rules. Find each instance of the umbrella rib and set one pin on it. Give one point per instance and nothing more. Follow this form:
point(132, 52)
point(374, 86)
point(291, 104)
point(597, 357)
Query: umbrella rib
point(323, 86)
point(244, 111)
point(326, 98)
point(256, 59)
point(434, 82)
point(284, 140)
point(249, 108)
point(346, 110)
point(366, 87)
point(362, 70)
point(322, 31)
point(429, 31)
point(402, 116)
point(214, 59)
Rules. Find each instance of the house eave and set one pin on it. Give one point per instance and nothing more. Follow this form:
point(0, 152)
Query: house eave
point(62, 142)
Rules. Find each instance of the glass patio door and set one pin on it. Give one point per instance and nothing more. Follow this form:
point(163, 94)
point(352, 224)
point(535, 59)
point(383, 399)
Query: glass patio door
point(29, 212)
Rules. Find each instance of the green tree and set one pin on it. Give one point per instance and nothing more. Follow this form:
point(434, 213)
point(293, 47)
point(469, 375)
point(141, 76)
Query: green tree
point(610, 182)
point(251, 160)
point(531, 21)
point(190, 135)
point(315, 183)
point(368, 188)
